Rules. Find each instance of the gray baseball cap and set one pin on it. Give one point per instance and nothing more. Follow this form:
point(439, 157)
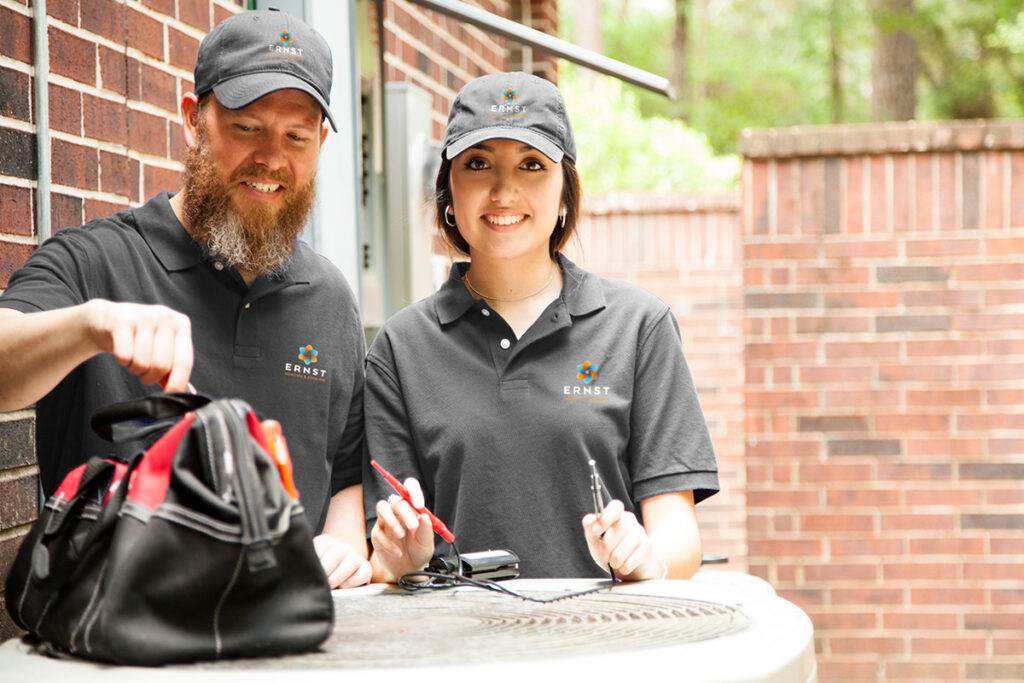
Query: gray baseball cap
point(516, 106)
point(252, 54)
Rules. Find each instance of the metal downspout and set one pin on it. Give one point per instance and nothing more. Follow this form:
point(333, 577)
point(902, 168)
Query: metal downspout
point(41, 56)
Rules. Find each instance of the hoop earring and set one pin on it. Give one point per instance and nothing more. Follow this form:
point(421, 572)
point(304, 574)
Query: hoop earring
point(449, 223)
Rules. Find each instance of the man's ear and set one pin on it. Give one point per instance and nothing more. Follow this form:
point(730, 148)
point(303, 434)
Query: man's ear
point(323, 132)
point(190, 118)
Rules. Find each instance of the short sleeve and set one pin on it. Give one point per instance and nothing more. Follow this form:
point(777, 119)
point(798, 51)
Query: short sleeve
point(53, 277)
point(670, 447)
point(388, 435)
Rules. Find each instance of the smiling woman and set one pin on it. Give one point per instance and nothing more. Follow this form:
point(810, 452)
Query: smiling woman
point(498, 391)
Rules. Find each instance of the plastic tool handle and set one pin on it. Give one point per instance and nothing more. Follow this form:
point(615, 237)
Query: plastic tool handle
point(438, 525)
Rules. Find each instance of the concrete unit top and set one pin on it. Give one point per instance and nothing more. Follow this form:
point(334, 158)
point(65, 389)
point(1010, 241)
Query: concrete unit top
point(718, 626)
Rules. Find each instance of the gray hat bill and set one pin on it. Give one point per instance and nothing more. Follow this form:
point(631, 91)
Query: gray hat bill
point(515, 106)
point(255, 53)
point(244, 90)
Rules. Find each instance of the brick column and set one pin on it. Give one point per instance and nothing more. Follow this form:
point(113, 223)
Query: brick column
point(884, 285)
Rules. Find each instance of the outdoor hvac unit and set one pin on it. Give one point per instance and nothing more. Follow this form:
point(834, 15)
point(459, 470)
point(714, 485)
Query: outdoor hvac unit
point(719, 626)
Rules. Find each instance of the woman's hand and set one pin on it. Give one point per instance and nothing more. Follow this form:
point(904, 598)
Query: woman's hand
point(344, 566)
point(617, 540)
point(402, 541)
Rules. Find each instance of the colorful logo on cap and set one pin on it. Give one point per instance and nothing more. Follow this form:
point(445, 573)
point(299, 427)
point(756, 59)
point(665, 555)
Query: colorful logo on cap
point(587, 372)
point(285, 37)
point(307, 354)
point(510, 95)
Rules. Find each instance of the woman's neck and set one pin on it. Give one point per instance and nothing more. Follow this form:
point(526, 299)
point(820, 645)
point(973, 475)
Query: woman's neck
point(519, 292)
point(507, 280)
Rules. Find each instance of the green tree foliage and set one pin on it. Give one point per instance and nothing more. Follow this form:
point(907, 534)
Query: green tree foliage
point(769, 63)
point(971, 58)
point(619, 149)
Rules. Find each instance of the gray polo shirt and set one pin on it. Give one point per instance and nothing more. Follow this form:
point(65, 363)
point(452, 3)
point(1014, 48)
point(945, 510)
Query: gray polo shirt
point(249, 342)
point(499, 430)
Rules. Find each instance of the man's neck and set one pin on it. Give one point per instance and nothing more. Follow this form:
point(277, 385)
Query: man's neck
point(178, 206)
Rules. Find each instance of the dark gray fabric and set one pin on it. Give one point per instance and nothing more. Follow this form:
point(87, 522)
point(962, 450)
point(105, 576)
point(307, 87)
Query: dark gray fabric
point(144, 255)
point(500, 438)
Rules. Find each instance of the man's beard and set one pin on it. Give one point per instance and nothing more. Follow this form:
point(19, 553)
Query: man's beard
point(259, 241)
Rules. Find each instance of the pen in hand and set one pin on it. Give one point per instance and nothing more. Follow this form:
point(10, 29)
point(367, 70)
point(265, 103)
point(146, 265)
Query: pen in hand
point(438, 525)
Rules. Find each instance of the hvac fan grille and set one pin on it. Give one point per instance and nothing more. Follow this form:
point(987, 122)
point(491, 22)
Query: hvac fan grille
point(396, 629)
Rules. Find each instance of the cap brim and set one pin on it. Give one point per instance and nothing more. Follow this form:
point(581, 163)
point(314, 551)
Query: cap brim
point(531, 138)
point(243, 90)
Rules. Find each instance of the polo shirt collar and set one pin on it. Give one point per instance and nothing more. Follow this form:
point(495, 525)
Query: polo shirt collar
point(581, 292)
point(165, 235)
point(175, 248)
point(453, 299)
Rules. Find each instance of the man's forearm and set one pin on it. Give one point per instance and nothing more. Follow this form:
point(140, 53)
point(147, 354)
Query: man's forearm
point(37, 350)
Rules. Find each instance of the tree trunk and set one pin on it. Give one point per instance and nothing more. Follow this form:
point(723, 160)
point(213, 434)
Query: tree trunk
point(836, 76)
point(679, 79)
point(893, 62)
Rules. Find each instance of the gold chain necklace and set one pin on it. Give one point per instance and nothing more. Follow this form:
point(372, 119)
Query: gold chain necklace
point(465, 278)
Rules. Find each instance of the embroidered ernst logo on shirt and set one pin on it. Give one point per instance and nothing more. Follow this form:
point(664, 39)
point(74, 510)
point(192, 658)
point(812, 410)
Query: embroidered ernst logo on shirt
point(305, 370)
point(586, 372)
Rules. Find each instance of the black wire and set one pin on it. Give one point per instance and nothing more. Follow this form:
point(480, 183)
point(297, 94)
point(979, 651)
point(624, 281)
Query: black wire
point(432, 581)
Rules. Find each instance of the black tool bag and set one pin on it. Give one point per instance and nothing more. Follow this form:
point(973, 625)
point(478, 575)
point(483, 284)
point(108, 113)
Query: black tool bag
point(192, 551)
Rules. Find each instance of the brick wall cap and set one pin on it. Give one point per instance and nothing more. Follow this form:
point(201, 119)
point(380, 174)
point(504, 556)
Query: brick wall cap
point(898, 137)
point(661, 202)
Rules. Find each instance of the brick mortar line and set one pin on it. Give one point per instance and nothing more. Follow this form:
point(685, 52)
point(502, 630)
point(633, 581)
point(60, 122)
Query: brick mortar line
point(18, 182)
point(6, 238)
point(98, 195)
point(18, 472)
point(17, 7)
point(13, 532)
point(17, 65)
point(440, 88)
point(17, 124)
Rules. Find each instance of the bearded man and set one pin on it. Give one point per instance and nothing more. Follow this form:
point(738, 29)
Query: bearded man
point(210, 285)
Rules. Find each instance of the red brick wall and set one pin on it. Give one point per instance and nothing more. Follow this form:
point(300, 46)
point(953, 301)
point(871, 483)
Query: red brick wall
point(117, 74)
point(687, 250)
point(884, 292)
point(440, 54)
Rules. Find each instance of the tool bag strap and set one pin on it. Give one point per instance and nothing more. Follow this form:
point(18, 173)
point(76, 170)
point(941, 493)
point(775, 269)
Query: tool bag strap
point(54, 569)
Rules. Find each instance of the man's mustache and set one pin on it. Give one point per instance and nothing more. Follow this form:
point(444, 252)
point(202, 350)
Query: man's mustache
point(256, 173)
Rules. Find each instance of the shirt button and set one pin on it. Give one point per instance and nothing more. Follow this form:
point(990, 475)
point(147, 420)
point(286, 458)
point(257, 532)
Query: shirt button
point(504, 343)
point(485, 313)
point(218, 265)
point(248, 305)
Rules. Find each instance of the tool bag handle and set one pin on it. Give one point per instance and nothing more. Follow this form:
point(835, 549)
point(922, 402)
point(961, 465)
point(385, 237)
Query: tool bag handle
point(139, 418)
